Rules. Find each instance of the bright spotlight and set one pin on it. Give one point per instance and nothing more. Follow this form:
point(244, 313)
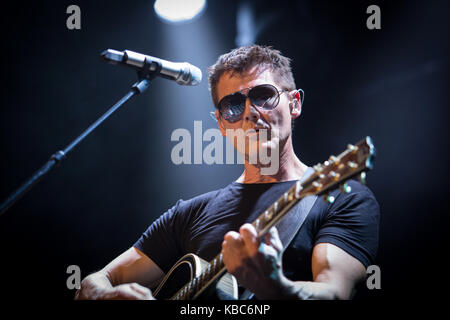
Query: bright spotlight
point(179, 11)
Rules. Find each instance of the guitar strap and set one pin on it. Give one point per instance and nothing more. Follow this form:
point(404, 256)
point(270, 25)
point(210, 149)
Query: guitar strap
point(289, 226)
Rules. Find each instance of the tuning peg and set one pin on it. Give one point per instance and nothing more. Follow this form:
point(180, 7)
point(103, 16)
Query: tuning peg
point(345, 188)
point(317, 185)
point(334, 175)
point(362, 177)
point(328, 198)
point(352, 147)
point(352, 164)
point(333, 159)
point(318, 167)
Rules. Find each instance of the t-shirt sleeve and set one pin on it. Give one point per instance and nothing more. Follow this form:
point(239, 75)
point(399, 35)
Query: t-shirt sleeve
point(161, 241)
point(352, 224)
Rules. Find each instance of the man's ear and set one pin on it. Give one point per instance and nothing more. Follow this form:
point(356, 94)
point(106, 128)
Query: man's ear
point(219, 121)
point(295, 106)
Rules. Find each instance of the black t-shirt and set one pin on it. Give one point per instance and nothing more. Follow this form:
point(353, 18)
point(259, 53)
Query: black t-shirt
point(198, 225)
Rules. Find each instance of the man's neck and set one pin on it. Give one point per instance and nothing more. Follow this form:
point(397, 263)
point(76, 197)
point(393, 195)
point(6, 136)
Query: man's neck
point(290, 168)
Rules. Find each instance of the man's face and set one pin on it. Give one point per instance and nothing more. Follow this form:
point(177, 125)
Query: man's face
point(276, 122)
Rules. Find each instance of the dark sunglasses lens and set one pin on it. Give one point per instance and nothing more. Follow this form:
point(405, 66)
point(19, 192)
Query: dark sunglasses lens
point(264, 96)
point(232, 107)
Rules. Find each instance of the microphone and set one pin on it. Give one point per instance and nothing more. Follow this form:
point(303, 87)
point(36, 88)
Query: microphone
point(182, 72)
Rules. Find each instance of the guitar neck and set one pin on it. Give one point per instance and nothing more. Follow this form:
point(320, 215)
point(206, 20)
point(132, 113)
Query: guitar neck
point(278, 209)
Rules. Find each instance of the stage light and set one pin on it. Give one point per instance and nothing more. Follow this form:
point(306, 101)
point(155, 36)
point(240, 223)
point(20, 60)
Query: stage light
point(179, 11)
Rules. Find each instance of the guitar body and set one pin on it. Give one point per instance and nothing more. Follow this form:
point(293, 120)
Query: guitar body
point(185, 270)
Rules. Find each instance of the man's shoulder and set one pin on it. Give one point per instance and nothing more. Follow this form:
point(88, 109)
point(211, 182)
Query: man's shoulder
point(357, 195)
point(201, 200)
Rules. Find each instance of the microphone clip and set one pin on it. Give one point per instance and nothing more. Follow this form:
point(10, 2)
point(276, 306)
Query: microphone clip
point(146, 74)
point(149, 73)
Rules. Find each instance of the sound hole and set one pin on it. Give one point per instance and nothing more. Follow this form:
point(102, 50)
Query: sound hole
point(178, 278)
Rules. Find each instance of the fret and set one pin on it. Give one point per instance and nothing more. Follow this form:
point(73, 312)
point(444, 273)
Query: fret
point(208, 271)
point(195, 284)
point(190, 286)
point(214, 264)
point(257, 222)
point(182, 294)
point(291, 196)
point(266, 216)
point(298, 188)
point(200, 282)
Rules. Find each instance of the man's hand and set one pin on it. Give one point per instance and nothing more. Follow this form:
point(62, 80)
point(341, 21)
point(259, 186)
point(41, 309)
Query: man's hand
point(128, 291)
point(98, 287)
point(255, 264)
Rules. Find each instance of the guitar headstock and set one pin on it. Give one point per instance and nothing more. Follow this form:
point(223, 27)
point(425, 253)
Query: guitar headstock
point(356, 160)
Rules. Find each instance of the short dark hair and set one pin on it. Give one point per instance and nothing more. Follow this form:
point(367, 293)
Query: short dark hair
point(241, 60)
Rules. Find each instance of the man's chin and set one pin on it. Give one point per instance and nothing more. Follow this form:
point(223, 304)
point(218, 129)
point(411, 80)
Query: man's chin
point(260, 153)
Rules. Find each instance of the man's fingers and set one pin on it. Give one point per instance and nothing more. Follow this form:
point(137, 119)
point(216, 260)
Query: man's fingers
point(130, 291)
point(143, 291)
point(273, 239)
point(232, 242)
point(250, 238)
point(232, 239)
point(123, 292)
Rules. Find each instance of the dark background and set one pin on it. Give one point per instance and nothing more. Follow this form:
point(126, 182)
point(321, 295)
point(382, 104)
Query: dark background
point(390, 84)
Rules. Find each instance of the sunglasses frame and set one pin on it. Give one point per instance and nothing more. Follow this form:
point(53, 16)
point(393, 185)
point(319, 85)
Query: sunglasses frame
point(246, 96)
point(213, 114)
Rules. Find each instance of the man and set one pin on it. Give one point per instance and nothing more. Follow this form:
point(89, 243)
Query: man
point(254, 91)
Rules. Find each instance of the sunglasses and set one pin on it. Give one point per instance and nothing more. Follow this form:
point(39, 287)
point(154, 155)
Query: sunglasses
point(265, 96)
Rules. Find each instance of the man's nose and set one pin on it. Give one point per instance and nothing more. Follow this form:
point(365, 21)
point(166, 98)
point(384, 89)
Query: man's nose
point(251, 113)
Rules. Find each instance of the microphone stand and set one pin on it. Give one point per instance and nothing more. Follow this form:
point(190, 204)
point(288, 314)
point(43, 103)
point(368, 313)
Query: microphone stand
point(145, 75)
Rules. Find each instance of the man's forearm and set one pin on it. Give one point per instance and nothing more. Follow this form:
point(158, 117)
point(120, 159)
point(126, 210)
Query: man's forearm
point(94, 287)
point(302, 290)
point(308, 290)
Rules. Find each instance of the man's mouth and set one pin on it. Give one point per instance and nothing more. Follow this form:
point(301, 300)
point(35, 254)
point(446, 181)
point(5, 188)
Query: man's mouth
point(257, 131)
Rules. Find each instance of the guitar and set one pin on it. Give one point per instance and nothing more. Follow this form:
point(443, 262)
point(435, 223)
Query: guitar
point(205, 280)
